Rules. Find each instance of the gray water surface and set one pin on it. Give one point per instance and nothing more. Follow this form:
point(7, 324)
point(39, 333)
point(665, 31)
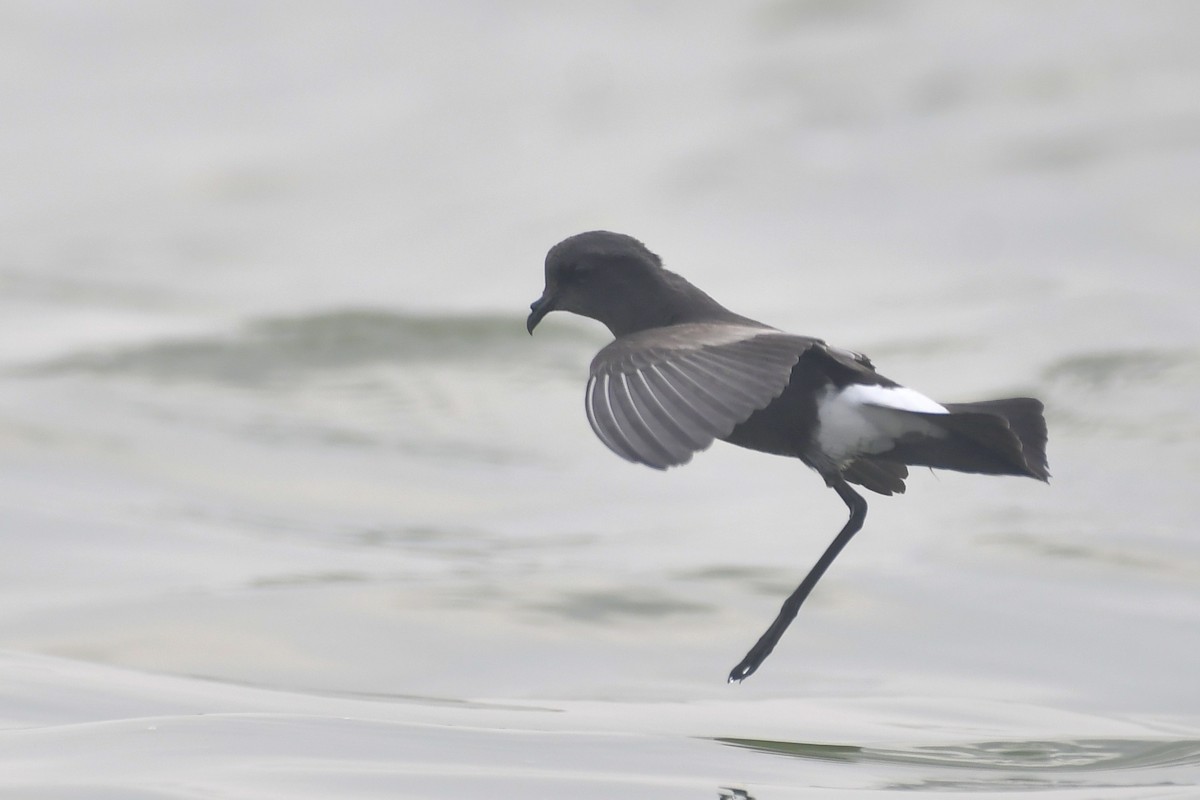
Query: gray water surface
point(291, 505)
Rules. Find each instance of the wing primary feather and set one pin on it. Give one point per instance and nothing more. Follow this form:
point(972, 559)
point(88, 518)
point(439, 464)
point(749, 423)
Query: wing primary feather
point(751, 363)
point(599, 418)
point(668, 431)
point(632, 427)
point(604, 423)
point(717, 412)
point(700, 427)
point(751, 382)
point(722, 379)
point(618, 426)
point(757, 383)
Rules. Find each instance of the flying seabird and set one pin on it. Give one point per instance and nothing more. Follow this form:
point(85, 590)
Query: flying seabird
point(684, 370)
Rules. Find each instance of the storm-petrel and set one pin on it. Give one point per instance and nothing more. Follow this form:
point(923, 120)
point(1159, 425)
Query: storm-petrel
point(684, 370)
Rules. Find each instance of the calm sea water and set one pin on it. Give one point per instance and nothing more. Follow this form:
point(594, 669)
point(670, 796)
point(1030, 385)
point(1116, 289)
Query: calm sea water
point(291, 505)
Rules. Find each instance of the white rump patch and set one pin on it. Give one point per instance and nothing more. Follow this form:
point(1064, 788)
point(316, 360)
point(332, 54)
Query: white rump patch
point(900, 398)
point(861, 420)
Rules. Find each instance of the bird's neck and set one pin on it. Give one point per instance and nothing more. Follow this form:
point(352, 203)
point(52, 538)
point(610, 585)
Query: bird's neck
point(673, 301)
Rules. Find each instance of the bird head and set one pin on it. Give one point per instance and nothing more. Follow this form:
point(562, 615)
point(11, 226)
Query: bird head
point(609, 277)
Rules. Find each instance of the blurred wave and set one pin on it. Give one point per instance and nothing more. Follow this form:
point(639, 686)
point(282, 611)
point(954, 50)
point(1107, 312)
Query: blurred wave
point(285, 348)
point(1127, 393)
point(1095, 550)
point(1014, 765)
point(614, 605)
point(1111, 368)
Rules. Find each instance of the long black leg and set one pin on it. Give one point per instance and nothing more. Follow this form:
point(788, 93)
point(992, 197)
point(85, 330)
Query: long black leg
point(763, 647)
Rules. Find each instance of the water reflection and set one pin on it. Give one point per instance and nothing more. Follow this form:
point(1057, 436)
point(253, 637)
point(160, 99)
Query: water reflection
point(1078, 754)
point(1012, 765)
point(732, 793)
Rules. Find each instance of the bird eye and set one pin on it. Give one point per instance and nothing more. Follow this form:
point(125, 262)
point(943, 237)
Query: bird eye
point(571, 271)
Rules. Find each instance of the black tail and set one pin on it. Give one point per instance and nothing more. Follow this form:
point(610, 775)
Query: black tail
point(994, 437)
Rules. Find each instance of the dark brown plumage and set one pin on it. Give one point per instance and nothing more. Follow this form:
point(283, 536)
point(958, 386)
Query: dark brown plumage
point(683, 370)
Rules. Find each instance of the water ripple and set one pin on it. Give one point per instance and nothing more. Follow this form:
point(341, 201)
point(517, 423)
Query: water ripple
point(1076, 755)
point(282, 348)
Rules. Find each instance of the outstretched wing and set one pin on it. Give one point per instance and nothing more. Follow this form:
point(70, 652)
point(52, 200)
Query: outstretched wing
point(658, 396)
